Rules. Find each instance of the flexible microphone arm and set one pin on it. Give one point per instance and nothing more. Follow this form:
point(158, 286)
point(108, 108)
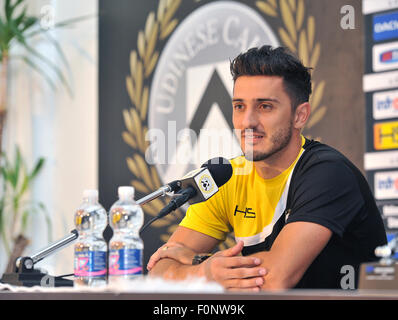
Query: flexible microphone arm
point(173, 186)
point(174, 204)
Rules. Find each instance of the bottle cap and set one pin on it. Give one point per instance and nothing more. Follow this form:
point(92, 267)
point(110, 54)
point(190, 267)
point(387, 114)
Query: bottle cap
point(90, 194)
point(126, 192)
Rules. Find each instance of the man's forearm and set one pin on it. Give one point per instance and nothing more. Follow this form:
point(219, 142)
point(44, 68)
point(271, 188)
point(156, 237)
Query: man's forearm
point(173, 270)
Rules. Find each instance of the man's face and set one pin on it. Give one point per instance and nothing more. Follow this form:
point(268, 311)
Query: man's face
point(262, 115)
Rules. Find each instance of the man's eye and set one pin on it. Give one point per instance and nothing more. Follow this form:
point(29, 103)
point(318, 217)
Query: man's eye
point(238, 106)
point(266, 106)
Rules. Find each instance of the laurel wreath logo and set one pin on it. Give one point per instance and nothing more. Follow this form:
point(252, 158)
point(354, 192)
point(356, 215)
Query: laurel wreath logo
point(142, 63)
point(296, 35)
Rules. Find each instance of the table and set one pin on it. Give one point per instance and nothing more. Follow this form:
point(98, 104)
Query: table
point(294, 294)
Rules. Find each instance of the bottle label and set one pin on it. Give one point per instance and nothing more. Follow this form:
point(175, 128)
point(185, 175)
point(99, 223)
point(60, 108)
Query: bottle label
point(90, 263)
point(125, 262)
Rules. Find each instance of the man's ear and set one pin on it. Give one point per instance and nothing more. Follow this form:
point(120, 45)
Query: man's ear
point(301, 115)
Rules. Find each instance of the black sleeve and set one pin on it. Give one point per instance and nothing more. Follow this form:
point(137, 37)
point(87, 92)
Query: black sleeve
point(328, 194)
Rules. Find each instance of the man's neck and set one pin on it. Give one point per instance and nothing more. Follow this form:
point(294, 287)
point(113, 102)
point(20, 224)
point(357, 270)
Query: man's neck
point(280, 161)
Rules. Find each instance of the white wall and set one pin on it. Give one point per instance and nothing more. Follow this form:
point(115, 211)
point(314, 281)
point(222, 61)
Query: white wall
point(61, 128)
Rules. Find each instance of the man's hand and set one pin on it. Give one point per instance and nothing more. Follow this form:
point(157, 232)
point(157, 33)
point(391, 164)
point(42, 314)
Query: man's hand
point(173, 250)
point(226, 267)
point(234, 272)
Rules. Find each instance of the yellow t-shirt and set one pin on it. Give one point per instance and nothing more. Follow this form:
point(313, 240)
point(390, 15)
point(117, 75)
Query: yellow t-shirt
point(247, 204)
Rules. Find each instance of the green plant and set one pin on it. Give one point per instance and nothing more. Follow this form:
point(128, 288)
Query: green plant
point(15, 206)
point(19, 32)
point(17, 28)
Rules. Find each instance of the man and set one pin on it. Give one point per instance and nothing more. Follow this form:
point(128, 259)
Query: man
point(299, 216)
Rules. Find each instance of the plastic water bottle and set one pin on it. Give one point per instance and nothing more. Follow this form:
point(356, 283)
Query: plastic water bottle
point(126, 247)
point(90, 249)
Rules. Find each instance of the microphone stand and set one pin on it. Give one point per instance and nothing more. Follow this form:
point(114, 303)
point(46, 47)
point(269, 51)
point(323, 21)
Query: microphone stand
point(26, 275)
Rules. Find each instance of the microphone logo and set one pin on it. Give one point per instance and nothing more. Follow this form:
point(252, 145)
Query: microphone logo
point(206, 183)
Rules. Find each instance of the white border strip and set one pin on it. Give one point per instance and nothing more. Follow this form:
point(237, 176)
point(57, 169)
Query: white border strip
point(381, 160)
point(372, 6)
point(380, 81)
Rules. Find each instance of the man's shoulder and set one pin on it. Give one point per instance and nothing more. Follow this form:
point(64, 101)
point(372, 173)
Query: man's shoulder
point(324, 163)
point(320, 153)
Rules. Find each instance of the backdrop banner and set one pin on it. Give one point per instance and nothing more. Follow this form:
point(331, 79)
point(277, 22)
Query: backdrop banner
point(165, 87)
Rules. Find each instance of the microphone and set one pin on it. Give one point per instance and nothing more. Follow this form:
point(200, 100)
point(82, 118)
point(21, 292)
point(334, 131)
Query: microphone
point(201, 184)
point(198, 185)
point(220, 169)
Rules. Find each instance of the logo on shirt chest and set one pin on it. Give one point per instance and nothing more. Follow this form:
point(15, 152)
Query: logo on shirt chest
point(247, 212)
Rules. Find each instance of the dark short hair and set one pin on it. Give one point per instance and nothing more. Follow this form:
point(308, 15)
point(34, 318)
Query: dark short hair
point(269, 61)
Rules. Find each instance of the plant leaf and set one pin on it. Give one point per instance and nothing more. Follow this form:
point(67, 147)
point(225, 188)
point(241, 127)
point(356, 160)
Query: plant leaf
point(50, 64)
point(58, 48)
point(24, 187)
point(21, 17)
point(62, 24)
point(29, 22)
point(8, 9)
point(17, 166)
point(24, 220)
point(39, 70)
point(37, 168)
point(3, 233)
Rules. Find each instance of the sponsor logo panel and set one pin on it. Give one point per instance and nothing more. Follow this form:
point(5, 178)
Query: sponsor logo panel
point(385, 135)
point(385, 26)
point(385, 105)
point(385, 56)
point(386, 185)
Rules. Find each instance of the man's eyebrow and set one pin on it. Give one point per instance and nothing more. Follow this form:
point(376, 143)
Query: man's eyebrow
point(258, 100)
point(267, 99)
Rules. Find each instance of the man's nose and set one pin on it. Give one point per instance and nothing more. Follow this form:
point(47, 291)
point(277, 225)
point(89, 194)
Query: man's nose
point(249, 119)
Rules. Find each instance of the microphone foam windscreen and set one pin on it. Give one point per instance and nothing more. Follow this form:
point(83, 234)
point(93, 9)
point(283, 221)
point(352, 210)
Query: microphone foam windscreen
point(220, 169)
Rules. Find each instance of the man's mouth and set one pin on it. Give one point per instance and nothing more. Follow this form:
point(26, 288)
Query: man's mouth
point(252, 137)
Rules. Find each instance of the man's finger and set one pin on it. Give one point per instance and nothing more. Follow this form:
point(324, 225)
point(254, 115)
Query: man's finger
point(234, 251)
point(159, 254)
point(241, 262)
point(244, 273)
point(244, 283)
point(152, 261)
